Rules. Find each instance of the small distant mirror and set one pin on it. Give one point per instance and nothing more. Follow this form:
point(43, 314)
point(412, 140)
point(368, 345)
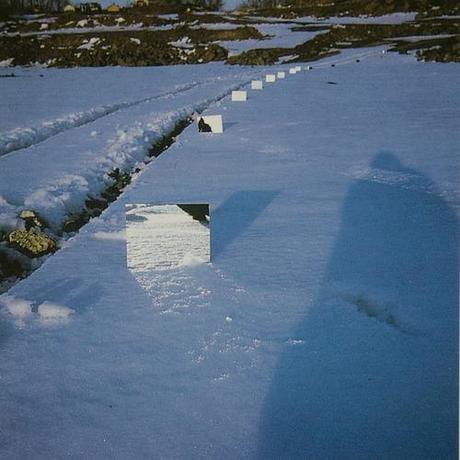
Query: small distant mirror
point(210, 124)
point(239, 96)
point(162, 237)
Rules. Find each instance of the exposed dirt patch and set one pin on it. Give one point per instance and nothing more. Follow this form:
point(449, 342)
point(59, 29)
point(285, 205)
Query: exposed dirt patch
point(437, 49)
point(261, 56)
point(181, 45)
point(183, 38)
point(321, 8)
point(360, 35)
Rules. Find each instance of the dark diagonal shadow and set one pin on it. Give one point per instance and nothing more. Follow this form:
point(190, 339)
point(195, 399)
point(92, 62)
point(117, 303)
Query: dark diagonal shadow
point(235, 216)
point(229, 125)
point(376, 375)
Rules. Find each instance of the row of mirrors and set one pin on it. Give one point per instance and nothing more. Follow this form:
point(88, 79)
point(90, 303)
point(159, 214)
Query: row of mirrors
point(168, 236)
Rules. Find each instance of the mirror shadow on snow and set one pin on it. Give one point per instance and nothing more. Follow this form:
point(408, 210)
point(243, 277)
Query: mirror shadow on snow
point(376, 374)
point(241, 209)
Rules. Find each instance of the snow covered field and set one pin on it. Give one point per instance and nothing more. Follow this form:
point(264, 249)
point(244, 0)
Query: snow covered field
point(72, 151)
point(325, 325)
point(277, 36)
point(49, 101)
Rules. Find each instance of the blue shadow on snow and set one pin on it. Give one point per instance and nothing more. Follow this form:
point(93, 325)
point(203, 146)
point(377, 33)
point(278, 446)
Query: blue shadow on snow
point(376, 375)
point(235, 216)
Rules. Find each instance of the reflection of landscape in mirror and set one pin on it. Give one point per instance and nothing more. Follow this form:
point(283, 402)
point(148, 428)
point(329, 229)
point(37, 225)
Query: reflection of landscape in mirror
point(162, 237)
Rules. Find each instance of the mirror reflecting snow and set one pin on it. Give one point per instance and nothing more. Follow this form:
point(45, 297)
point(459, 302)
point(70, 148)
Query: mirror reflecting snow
point(162, 237)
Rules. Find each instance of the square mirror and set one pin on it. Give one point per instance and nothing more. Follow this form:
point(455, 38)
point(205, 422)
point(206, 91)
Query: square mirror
point(167, 236)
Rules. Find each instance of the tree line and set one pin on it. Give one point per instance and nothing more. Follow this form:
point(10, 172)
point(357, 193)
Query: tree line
point(20, 6)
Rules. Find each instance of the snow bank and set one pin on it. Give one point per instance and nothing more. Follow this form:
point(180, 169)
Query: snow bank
point(23, 137)
point(72, 170)
point(24, 311)
point(6, 62)
point(17, 307)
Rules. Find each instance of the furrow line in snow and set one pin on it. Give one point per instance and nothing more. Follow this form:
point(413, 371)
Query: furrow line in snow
point(67, 201)
point(63, 205)
point(23, 137)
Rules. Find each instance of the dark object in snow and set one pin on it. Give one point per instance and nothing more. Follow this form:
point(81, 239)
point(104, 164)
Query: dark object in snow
point(32, 243)
point(74, 223)
point(120, 181)
point(95, 203)
point(199, 212)
point(31, 219)
point(114, 174)
point(95, 206)
point(332, 65)
point(203, 127)
point(357, 60)
point(331, 83)
point(11, 263)
point(120, 176)
point(10, 75)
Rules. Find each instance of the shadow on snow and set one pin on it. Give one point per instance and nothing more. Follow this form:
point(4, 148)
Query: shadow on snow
point(376, 373)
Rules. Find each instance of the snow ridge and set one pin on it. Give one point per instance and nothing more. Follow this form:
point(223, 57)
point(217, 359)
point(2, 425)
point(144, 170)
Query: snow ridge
point(24, 137)
point(126, 149)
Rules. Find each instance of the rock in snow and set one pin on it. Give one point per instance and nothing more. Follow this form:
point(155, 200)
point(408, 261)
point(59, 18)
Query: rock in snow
point(32, 242)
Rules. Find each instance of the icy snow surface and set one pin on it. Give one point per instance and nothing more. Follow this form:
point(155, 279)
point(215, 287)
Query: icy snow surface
point(326, 324)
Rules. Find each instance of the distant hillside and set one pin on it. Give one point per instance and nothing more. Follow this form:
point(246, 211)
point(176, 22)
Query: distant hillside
point(292, 8)
point(13, 7)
